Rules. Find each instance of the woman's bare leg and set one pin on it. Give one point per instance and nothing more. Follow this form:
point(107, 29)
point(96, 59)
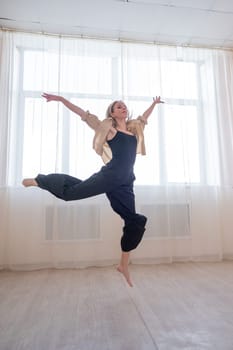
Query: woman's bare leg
point(123, 267)
point(29, 182)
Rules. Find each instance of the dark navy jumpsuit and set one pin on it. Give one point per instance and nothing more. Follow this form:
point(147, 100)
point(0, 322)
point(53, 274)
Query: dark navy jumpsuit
point(115, 179)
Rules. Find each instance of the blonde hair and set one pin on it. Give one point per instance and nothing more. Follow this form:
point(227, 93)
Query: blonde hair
point(109, 112)
point(110, 109)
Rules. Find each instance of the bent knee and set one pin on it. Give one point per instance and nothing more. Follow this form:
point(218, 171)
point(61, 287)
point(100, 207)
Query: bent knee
point(133, 233)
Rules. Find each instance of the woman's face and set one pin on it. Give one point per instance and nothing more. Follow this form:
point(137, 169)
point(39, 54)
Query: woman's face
point(120, 110)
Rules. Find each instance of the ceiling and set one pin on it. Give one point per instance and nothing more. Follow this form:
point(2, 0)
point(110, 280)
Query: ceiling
point(207, 23)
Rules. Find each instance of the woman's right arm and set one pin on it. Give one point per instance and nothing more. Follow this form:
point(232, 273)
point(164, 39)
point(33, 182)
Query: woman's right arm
point(68, 104)
point(91, 119)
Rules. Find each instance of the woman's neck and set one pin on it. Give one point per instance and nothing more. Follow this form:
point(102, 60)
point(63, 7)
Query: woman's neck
point(121, 125)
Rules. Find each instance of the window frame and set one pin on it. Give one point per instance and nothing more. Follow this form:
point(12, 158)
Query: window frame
point(114, 95)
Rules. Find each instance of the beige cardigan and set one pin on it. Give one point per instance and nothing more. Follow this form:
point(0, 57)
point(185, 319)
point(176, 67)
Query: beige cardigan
point(135, 126)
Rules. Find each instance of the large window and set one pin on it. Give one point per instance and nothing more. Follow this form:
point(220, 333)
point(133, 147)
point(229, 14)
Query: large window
point(53, 139)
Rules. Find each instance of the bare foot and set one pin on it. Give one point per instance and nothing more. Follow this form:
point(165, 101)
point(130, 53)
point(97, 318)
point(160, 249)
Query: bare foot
point(125, 271)
point(29, 182)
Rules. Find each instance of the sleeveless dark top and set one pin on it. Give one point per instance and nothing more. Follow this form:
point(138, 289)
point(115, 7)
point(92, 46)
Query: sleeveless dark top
point(120, 169)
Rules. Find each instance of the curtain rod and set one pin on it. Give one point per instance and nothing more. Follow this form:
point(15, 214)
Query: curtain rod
point(115, 39)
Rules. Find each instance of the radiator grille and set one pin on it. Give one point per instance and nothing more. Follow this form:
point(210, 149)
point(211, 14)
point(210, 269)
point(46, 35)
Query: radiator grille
point(165, 220)
point(72, 222)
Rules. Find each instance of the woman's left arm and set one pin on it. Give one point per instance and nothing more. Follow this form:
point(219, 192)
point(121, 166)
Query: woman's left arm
point(147, 113)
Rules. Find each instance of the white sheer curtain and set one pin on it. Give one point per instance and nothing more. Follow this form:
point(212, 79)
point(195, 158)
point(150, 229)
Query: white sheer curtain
point(184, 183)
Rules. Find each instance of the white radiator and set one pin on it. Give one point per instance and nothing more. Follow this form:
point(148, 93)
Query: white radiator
point(167, 220)
point(72, 222)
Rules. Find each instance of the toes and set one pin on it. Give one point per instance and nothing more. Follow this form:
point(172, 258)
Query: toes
point(125, 273)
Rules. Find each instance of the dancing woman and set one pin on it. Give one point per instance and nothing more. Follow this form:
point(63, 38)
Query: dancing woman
point(117, 139)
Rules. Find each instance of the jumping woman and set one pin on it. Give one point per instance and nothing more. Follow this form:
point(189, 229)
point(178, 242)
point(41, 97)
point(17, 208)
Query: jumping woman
point(117, 140)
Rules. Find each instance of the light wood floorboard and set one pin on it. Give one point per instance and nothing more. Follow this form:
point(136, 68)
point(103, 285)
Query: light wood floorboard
point(171, 307)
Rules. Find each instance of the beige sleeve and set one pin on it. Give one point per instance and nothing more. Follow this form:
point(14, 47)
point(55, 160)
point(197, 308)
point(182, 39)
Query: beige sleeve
point(91, 120)
point(133, 124)
point(143, 121)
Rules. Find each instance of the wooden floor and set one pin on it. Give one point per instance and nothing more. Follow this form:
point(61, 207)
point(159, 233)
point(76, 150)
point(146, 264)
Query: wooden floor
point(171, 307)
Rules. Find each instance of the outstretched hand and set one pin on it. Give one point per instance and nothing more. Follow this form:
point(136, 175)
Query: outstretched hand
point(157, 99)
point(51, 97)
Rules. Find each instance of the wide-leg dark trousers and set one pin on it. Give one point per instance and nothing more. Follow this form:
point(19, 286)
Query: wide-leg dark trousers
point(121, 197)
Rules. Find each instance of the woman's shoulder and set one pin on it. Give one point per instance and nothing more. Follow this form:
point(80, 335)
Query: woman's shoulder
point(137, 120)
point(134, 125)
